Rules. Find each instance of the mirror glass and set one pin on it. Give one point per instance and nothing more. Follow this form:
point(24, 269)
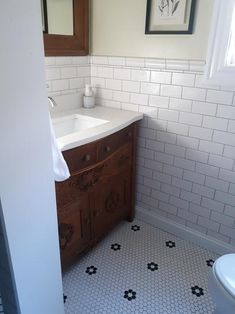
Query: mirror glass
point(57, 17)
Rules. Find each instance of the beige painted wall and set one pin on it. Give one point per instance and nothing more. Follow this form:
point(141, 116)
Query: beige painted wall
point(117, 29)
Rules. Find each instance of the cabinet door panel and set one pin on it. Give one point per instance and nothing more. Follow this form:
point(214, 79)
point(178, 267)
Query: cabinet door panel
point(74, 229)
point(111, 203)
point(77, 186)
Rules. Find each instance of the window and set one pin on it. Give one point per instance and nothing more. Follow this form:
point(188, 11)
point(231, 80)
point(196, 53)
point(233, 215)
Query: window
point(231, 51)
point(220, 67)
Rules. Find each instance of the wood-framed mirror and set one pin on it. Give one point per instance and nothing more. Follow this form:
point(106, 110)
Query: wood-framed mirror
point(73, 38)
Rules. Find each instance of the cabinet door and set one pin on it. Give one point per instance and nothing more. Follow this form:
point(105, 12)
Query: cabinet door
point(111, 203)
point(74, 229)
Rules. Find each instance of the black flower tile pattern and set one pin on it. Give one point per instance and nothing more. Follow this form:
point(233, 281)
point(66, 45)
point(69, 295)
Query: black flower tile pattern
point(91, 270)
point(146, 277)
point(130, 295)
point(135, 228)
point(210, 262)
point(197, 291)
point(170, 244)
point(152, 266)
point(65, 298)
point(115, 247)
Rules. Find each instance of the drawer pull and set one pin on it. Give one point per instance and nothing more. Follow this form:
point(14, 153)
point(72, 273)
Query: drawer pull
point(107, 149)
point(129, 134)
point(87, 157)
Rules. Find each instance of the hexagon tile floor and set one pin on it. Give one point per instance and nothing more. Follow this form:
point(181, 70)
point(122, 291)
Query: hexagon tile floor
point(140, 269)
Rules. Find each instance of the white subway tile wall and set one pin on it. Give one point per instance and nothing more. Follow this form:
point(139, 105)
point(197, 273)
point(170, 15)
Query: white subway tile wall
point(186, 143)
point(66, 78)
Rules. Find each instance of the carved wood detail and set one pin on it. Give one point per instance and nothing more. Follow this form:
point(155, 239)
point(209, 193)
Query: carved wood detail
point(112, 202)
point(66, 232)
point(123, 160)
point(88, 179)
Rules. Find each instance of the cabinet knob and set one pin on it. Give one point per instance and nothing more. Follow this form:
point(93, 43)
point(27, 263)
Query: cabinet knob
point(129, 134)
point(87, 157)
point(107, 149)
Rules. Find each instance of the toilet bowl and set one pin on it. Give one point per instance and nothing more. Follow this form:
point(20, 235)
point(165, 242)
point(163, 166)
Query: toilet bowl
point(222, 284)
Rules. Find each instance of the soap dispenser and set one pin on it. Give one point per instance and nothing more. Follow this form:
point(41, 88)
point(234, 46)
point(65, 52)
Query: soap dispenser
point(88, 98)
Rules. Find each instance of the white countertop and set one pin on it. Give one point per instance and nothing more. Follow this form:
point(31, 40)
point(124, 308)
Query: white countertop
point(117, 120)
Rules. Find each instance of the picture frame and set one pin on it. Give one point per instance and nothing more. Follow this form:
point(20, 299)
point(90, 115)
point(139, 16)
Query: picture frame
point(170, 17)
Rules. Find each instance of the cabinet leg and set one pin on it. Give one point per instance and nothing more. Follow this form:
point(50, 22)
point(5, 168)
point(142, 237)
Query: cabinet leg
point(131, 216)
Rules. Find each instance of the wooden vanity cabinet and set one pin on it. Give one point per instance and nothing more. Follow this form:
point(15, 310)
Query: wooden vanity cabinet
point(74, 229)
point(99, 193)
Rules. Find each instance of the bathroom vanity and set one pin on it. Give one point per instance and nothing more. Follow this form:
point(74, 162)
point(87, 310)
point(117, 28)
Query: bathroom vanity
point(100, 191)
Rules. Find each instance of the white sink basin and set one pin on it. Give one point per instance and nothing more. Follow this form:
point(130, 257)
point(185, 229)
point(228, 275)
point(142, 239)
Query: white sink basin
point(81, 126)
point(74, 123)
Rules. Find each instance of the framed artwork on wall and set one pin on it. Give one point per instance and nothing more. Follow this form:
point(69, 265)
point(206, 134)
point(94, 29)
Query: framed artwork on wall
point(170, 16)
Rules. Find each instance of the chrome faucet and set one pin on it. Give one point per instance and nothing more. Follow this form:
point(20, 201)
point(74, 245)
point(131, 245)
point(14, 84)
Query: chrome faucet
point(52, 102)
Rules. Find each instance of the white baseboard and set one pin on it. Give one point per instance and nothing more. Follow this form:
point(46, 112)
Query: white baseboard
point(184, 232)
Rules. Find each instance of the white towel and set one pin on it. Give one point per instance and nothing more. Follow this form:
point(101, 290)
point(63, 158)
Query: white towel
point(60, 168)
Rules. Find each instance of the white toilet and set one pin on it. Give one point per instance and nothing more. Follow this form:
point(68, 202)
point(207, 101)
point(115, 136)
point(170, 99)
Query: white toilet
point(222, 284)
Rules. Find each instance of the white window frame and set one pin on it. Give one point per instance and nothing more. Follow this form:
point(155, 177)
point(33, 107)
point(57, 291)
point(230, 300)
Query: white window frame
point(217, 70)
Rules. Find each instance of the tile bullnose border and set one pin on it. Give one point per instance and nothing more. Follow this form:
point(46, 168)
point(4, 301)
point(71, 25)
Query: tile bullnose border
point(194, 66)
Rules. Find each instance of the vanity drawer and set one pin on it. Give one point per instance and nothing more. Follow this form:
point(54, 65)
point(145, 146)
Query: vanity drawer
point(81, 157)
point(111, 143)
point(119, 162)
